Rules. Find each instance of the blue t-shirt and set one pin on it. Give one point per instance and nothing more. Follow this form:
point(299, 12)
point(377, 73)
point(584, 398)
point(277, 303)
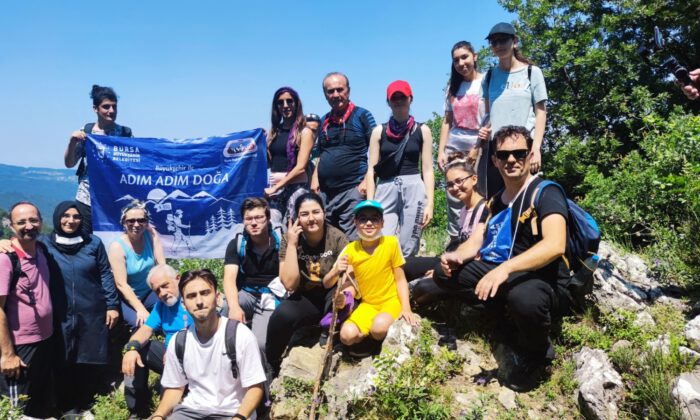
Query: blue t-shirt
point(169, 319)
point(343, 148)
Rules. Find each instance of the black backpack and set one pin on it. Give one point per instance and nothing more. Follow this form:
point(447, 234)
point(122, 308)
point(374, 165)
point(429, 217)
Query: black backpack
point(125, 132)
point(230, 340)
point(17, 272)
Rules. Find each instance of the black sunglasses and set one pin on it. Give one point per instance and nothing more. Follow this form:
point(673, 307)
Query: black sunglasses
point(518, 154)
point(282, 102)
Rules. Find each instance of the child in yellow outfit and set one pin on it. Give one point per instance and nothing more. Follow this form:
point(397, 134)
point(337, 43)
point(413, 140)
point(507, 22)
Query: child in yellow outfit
point(377, 265)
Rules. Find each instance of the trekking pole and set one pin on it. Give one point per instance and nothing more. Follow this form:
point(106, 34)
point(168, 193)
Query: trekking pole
point(315, 398)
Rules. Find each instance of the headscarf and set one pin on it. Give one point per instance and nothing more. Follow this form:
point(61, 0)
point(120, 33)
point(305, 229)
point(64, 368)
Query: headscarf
point(67, 243)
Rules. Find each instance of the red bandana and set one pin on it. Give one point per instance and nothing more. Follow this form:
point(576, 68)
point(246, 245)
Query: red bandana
point(337, 120)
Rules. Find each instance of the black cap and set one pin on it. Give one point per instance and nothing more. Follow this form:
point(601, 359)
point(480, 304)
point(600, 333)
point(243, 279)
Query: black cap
point(312, 118)
point(502, 28)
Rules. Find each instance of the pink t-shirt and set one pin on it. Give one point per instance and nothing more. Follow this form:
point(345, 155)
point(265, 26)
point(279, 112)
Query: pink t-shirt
point(29, 319)
point(465, 216)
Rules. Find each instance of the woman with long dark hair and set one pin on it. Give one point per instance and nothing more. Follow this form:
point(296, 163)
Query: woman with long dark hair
point(104, 103)
point(465, 112)
point(307, 257)
point(289, 145)
point(401, 158)
point(515, 94)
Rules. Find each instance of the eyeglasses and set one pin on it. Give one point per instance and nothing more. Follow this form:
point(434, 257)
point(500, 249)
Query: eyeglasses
point(259, 218)
point(457, 182)
point(32, 221)
point(72, 216)
point(495, 42)
point(518, 154)
point(141, 221)
point(282, 102)
point(364, 219)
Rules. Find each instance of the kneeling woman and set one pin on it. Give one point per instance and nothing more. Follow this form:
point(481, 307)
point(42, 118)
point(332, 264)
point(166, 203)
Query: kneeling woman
point(307, 258)
point(132, 255)
point(377, 265)
point(461, 184)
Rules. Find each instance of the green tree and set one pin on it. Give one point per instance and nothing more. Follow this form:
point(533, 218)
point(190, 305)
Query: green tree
point(599, 86)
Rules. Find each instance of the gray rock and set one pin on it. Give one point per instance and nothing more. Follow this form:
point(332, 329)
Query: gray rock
point(621, 344)
point(692, 332)
point(686, 392)
point(600, 386)
point(663, 344)
point(644, 320)
point(472, 361)
point(507, 399)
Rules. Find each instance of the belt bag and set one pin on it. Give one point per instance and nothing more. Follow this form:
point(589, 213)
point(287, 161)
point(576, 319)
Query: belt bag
point(388, 167)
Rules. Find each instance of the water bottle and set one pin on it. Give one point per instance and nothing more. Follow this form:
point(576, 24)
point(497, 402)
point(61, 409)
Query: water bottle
point(583, 278)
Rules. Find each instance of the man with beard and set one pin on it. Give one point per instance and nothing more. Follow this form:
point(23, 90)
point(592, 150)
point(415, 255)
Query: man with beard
point(140, 353)
point(201, 361)
point(343, 142)
point(25, 315)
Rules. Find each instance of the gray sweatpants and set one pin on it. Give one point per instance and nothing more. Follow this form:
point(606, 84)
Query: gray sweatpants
point(454, 207)
point(256, 317)
point(403, 199)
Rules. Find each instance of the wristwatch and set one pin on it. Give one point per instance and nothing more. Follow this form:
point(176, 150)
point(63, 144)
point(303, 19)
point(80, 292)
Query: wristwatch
point(131, 345)
point(240, 416)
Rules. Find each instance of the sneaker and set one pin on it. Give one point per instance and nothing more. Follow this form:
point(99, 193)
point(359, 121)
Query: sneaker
point(323, 339)
point(527, 374)
point(365, 348)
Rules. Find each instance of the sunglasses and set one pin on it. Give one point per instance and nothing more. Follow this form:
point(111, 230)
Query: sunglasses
point(141, 221)
point(495, 42)
point(518, 154)
point(282, 102)
point(457, 182)
point(364, 219)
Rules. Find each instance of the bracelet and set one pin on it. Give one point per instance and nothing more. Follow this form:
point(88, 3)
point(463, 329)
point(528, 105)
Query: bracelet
point(131, 345)
point(239, 416)
point(158, 416)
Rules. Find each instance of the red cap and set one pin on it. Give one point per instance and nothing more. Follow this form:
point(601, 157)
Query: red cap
point(398, 86)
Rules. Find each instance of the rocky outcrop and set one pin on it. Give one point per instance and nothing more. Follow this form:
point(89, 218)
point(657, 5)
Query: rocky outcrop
point(623, 281)
point(600, 386)
point(686, 392)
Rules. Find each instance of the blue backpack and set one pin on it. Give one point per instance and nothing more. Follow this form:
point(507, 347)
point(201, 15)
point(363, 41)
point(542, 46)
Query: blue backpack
point(583, 233)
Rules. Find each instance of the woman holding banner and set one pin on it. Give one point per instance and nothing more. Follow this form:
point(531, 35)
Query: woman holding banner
point(132, 255)
point(104, 103)
point(289, 147)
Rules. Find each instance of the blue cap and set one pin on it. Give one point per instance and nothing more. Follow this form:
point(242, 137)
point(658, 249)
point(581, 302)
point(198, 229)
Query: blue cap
point(368, 204)
point(502, 28)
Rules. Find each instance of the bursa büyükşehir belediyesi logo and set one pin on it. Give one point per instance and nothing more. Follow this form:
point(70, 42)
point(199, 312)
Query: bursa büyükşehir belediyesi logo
point(240, 147)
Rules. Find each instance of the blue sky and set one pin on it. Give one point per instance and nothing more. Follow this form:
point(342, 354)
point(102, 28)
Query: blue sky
point(193, 69)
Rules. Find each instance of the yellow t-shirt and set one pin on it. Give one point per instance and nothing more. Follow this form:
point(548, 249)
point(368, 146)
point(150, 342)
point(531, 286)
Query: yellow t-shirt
point(375, 273)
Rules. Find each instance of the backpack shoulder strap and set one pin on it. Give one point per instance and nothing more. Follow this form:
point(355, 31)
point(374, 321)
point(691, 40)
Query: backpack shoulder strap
point(277, 233)
point(180, 341)
point(230, 340)
point(16, 270)
point(529, 72)
point(126, 131)
point(534, 202)
point(487, 78)
point(476, 211)
point(88, 128)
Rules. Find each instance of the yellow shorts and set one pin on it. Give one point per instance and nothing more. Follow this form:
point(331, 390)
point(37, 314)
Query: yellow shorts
point(364, 314)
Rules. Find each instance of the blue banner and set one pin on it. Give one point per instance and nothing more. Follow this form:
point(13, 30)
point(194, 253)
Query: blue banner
point(193, 188)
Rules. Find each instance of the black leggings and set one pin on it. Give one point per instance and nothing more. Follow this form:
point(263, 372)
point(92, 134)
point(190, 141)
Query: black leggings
point(424, 290)
point(532, 301)
point(293, 313)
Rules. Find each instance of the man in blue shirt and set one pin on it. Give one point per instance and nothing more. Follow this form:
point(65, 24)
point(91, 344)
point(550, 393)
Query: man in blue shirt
point(141, 353)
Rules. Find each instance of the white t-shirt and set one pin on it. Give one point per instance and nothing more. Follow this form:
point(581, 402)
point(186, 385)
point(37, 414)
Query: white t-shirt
point(212, 388)
point(468, 110)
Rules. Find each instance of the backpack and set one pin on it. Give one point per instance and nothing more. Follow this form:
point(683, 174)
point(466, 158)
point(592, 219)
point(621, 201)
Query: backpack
point(82, 166)
point(487, 78)
point(583, 239)
point(17, 272)
point(230, 340)
point(242, 240)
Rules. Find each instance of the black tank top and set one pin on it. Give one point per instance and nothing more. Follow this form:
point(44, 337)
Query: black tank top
point(278, 152)
point(411, 154)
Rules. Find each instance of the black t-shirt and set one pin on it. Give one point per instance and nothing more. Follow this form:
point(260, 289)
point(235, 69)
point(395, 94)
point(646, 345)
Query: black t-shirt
point(255, 270)
point(343, 151)
point(278, 152)
point(411, 154)
point(316, 262)
point(551, 201)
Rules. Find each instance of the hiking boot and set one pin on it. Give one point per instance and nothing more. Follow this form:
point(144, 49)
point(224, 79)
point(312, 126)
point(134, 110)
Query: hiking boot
point(527, 374)
point(323, 339)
